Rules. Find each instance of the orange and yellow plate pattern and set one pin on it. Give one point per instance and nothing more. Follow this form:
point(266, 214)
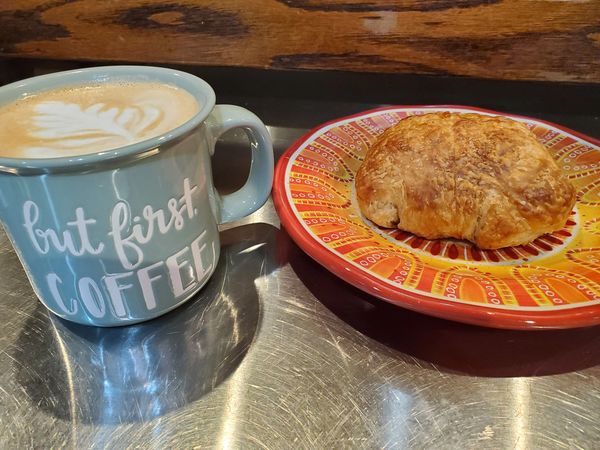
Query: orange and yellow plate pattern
point(552, 282)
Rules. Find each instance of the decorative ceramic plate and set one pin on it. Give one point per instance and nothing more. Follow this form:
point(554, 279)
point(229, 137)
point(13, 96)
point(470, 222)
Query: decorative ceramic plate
point(553, 282)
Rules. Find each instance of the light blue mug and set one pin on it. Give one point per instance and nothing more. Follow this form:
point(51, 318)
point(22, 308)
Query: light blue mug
point(122, 236)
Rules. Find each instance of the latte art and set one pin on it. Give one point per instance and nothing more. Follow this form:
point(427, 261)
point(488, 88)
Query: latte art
point(89, 119)
point(65, 126)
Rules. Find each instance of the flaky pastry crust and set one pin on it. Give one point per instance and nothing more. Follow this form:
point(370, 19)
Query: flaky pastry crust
point(466, 176)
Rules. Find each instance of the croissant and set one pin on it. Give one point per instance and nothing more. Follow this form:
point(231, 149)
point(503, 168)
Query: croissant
point(481, 178)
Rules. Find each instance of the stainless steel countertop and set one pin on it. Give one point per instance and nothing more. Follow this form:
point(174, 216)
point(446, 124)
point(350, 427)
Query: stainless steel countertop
point(275, 352)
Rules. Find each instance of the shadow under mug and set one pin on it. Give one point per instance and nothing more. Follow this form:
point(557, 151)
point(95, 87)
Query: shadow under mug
point(122, 236)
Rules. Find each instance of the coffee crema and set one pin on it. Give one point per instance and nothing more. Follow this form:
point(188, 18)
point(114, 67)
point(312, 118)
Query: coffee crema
point(82, 119)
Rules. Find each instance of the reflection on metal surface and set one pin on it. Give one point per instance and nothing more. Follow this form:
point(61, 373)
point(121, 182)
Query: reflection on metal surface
point(522, 408)
point(234, 405)
point(70, 383)
point(275, 352)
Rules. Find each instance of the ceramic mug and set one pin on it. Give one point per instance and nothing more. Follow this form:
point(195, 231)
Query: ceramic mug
point(122, 236)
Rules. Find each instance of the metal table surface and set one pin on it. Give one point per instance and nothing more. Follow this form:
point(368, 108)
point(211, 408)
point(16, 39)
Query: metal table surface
point(275, 352)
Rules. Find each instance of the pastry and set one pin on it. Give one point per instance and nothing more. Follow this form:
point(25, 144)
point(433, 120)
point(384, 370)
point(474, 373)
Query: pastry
point(481, 178)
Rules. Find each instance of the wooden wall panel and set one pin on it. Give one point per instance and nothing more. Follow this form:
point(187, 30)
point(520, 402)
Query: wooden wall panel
point(507, 39)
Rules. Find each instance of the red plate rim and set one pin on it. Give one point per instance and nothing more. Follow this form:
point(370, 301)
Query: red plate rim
point(460, 312)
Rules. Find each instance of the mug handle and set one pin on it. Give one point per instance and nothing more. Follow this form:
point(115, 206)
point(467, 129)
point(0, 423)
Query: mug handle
point(257, 188)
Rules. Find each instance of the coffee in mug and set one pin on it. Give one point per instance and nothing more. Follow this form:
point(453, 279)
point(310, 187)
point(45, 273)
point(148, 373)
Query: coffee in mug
point(84, 119)
point(106, 189)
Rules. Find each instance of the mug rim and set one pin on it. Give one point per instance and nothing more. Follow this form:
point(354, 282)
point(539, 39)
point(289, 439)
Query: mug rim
point(100, 74)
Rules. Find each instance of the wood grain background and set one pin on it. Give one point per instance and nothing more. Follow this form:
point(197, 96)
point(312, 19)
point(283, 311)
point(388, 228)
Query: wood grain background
point(556, 40)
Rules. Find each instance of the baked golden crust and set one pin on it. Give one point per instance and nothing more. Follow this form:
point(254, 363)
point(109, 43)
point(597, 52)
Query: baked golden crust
point(466, 176)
